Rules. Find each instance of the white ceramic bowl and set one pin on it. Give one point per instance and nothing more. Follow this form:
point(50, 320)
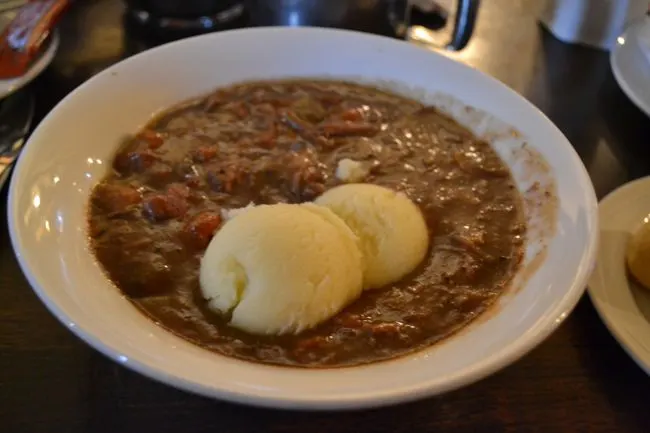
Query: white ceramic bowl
point(71, 150)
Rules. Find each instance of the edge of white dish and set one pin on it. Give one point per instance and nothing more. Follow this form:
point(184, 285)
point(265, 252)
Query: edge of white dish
point(599, 287)
point(629, 63)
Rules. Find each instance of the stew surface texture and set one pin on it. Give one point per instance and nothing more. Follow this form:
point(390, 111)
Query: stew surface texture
point(152, 217)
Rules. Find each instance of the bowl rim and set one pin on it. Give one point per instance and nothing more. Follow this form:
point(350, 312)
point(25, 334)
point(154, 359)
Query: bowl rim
point(496, 361)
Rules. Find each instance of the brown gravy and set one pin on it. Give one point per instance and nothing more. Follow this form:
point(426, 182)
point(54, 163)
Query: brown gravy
point(269, 142)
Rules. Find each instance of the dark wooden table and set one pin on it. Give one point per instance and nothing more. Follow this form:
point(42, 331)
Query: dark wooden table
point(577, 380)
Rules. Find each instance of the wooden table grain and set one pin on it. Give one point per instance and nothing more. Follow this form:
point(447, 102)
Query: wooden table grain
point(578, 380)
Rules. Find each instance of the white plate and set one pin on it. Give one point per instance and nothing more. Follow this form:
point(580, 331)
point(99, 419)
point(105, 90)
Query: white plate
point(631, 67)
point(621, 303)
point(71, 150)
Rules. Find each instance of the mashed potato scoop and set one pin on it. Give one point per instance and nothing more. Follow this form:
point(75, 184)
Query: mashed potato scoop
point(391, 229)
point(278, 269)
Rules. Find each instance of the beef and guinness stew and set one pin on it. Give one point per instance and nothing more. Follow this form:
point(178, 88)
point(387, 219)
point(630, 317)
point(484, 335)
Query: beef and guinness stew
point(174, 182)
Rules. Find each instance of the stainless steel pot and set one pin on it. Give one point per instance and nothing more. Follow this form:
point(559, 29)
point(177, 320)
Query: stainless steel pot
point(365, 15)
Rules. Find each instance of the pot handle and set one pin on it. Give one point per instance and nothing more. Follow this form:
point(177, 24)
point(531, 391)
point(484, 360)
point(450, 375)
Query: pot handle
point(466, 11)
point(464, 17)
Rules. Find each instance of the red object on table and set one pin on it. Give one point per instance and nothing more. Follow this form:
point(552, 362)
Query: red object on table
point(22, 40)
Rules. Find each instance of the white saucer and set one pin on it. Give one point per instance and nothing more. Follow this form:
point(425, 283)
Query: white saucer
point(621, 303)
point(631, 66)
point(8, 87)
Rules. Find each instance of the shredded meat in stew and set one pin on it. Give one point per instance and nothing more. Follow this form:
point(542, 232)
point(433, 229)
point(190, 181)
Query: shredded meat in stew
point(152, 217)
